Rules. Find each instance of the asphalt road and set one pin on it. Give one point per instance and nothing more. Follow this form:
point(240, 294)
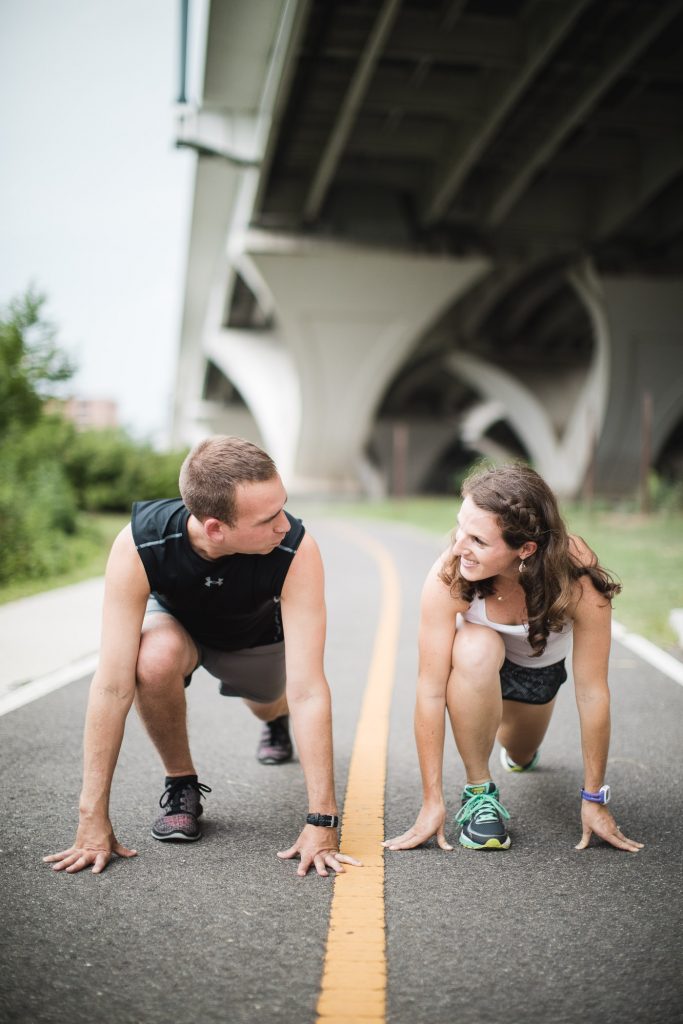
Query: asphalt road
point(222, 931)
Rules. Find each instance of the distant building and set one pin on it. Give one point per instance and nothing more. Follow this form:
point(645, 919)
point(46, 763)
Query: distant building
point(88, 413)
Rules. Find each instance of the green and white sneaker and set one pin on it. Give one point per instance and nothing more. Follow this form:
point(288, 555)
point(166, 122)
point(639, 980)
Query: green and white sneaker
point(511, 766)
point(481, 817)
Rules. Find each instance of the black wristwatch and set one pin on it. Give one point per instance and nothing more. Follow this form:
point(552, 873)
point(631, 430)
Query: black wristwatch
point(323, 820)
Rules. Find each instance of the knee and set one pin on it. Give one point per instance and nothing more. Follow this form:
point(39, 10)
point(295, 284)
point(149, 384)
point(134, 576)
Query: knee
point(160, 661)
point(478, 649)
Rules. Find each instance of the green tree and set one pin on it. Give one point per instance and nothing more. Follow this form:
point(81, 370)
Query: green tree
point(31, 362)
point(48, 470)
point(37, 501)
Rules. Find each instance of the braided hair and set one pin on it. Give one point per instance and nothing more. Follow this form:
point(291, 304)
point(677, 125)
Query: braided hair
point(526, 510)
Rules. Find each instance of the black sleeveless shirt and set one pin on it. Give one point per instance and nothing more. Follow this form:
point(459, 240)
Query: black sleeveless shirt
point(227, 603)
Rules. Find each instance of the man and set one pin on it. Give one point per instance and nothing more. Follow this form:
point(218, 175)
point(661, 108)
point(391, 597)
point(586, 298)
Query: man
point(219, 579)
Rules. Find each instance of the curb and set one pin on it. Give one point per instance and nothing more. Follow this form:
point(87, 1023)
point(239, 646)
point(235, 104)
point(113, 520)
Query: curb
point(37, 688)
point(649, 652)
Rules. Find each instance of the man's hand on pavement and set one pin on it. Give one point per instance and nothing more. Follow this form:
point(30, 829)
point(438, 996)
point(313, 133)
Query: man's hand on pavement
point(92, 846)
point(319, 848)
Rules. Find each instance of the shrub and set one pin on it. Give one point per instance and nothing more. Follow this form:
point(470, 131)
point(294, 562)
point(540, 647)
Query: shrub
point(47, 470)
point(37, 503)
point(109, 471)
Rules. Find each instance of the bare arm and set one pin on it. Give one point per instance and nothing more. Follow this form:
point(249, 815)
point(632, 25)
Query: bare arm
point(592, 638)
point(111, 695)
point(436, 635)
point(310, 706)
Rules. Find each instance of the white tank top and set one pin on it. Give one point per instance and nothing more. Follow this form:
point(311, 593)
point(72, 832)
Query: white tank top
point(516, 638)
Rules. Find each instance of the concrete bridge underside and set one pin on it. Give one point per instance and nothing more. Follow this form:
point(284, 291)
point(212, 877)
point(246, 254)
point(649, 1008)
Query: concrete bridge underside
point(426, 231)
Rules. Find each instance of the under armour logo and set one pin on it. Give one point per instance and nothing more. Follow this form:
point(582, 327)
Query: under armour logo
point(208, 582)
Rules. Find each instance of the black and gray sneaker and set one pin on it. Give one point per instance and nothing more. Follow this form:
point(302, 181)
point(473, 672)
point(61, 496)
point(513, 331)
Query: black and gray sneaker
point(275, 745)
point(181, 803)
point(481, 817)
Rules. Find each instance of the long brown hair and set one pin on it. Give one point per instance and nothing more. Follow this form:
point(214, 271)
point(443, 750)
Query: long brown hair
point(526, 510)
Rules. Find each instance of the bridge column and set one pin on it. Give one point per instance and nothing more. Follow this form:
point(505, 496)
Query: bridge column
point(349, 317)
point(646, 326)
point(261, 368)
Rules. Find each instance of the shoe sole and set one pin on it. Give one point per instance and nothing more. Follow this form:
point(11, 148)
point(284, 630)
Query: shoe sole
point(490, 844)
point(274, 760)
point(176, 836)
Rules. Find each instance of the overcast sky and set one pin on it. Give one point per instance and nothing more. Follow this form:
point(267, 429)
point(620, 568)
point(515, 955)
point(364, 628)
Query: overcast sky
point(94, 198)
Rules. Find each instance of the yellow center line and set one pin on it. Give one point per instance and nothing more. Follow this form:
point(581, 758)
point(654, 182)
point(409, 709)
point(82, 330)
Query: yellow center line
point(353, 987)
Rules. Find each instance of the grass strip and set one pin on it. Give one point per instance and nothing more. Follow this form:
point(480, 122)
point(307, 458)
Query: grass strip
point(88, 548)
point(645, 552)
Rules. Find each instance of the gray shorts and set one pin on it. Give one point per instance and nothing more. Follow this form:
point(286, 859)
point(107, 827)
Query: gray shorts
point(255, 673)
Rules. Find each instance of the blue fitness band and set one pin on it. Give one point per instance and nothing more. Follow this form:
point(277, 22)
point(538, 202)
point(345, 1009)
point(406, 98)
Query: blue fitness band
point(601, 797)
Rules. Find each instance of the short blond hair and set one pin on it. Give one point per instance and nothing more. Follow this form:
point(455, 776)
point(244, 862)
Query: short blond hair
point(212, 471)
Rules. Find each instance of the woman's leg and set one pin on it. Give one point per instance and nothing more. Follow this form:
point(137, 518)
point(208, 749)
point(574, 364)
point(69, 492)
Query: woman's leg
point(473, 696)
point(523, 727)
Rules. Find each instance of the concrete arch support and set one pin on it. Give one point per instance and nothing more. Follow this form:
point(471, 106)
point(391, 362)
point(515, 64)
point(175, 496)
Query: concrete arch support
point(262, 370)
point(349, 317)
point(521, 409)
point(586, 422)
point(562, 460)
point(561, 465)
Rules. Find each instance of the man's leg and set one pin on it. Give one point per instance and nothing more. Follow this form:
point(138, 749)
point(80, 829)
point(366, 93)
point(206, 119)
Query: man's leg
point(275, 743)
point(258, 676)
point(268, 712)
point(167, 655)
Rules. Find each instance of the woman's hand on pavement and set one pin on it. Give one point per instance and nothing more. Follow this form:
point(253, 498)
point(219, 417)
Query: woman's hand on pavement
point(430, 822)
point(596, 818)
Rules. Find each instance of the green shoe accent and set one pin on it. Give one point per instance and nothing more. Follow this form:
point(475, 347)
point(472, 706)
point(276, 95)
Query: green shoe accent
point(481, 817)
point(511, 766)
point(490, 844)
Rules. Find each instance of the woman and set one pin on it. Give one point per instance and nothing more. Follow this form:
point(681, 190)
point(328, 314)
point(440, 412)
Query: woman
point(519, 588)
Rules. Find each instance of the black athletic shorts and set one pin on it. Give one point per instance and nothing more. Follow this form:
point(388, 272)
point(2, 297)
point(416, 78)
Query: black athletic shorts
point(531, 685)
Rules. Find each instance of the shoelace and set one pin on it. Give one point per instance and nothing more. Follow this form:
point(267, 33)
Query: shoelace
point(483, 806)
point(278, 731)
point(174, 797)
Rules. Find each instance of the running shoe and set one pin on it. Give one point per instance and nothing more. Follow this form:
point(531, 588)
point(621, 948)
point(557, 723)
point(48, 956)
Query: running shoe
point(481, 817)
point(275, 745)
point(511, 766)
point(181, 803)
